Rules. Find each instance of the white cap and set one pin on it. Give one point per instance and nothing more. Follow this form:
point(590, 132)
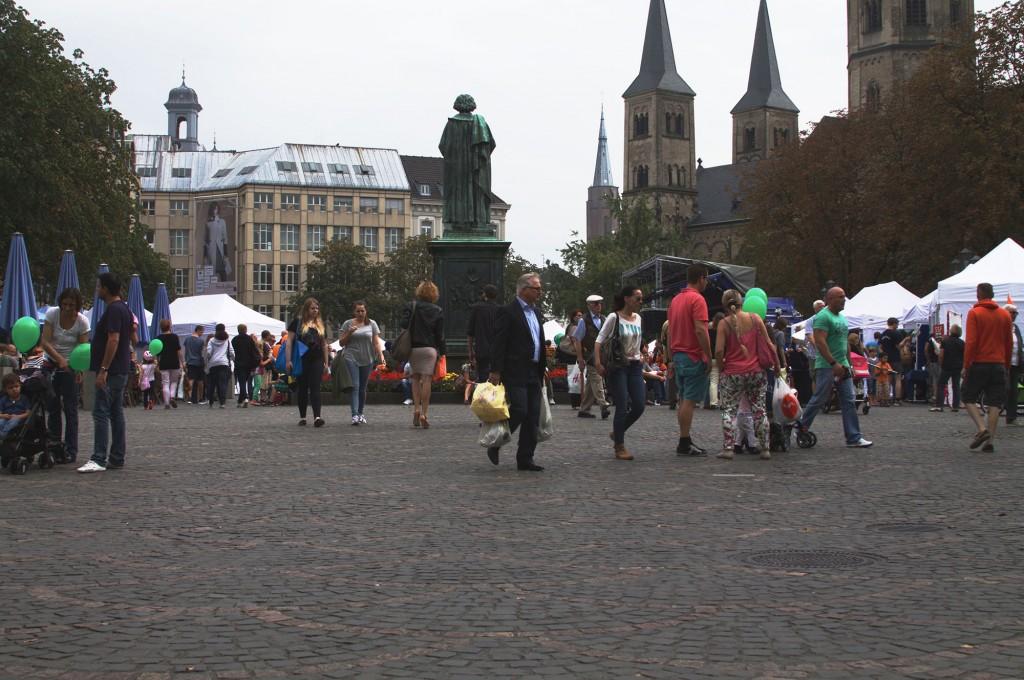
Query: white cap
point(1011, 308)
point(595, 298)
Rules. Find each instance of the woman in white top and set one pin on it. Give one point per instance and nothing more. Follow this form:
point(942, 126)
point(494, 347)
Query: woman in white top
point(626, 382)
point(360, 337)
point(65, 329)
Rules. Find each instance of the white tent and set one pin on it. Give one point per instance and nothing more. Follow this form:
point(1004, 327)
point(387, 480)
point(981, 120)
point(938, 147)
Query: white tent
point(209, 310)
point(873, 306)
point(920, 314)
point(1003, 267)
point(553, 328)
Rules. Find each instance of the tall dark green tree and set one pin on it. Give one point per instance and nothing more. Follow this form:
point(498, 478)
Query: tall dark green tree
point(340, 275)
point(404, 269)
point(66, 177)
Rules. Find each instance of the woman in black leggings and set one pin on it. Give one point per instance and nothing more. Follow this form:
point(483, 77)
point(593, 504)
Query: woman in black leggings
point(308, 328)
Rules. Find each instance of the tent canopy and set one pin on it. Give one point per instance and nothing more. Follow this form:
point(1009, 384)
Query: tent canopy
point(209, 310)
point(873, 306)
point(1003, 267)
point(921, 313)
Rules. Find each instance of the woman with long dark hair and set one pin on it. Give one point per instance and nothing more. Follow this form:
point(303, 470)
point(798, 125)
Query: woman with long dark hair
point(625, 327)
point(308, 327)
point(65, 329)
point(740, 372)
point(219, 356)
point(360, 336)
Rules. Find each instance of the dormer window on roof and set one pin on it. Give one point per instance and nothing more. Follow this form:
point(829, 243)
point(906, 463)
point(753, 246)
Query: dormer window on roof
point(181, 172)
point(424, 190)
point(223, 172)
point(312, 167)
point(338, 168)
point(287, 166)
point(145, 171)
point(365, 170)
point(247, 170)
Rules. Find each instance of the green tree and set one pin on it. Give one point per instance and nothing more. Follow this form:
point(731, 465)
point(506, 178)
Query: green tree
point(340, 275)
point(515, 266)
point(404, 269)
point(66, 176)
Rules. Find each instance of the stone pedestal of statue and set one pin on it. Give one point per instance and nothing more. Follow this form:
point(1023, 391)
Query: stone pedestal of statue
point(463, 265)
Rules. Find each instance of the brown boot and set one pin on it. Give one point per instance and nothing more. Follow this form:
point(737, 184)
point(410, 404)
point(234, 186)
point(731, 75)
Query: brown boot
point(621, 453)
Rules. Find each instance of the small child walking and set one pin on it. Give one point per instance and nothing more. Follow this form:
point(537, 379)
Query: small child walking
point(146, 381)
point(467, 379)
point(883, 381)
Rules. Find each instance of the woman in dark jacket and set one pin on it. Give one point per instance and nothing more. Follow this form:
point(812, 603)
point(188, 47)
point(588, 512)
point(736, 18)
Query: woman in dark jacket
point(247, 358)
point(425, 322)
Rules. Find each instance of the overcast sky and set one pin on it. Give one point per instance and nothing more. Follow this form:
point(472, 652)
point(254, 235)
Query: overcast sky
point(384, 73)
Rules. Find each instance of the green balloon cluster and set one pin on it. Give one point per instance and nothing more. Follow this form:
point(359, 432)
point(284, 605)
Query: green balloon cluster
point(25, 333)
point(156, 346)
point(759, 293)
point(80, 357)
point(756, 305)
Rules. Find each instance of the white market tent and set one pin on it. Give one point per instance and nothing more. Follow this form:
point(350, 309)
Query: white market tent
point(873, 306)
point(209, 310)
point(1003, 267)
point(920, 314)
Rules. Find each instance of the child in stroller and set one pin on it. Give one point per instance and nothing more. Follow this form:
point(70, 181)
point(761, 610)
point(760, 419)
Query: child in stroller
point(26, 395)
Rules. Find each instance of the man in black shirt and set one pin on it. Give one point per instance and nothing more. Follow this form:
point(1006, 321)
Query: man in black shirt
point(111, 360)
point(951, 365)
point(889, 342)
point(480, 332)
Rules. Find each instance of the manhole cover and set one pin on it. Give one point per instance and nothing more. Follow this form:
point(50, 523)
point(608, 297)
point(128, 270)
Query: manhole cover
point(807, 559)
point(906, 527)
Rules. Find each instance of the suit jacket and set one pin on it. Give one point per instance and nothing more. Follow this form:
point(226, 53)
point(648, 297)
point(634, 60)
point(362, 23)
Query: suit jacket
point(513, 346)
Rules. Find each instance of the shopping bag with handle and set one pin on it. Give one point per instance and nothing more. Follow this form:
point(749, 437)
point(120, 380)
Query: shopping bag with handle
point(489, 403)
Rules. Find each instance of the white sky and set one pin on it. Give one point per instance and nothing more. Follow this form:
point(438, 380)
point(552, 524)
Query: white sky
point(384, 73)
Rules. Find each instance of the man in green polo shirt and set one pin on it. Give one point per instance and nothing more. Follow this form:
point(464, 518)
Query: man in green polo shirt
point(832, 366)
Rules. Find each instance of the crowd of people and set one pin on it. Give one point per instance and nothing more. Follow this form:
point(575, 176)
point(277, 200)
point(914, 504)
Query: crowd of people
point(730, 362)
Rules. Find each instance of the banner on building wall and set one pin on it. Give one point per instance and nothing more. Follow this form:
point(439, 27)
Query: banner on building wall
point(216, 246)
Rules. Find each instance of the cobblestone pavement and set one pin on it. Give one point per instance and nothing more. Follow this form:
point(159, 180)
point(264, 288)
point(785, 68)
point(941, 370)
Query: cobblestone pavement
point(235, 544)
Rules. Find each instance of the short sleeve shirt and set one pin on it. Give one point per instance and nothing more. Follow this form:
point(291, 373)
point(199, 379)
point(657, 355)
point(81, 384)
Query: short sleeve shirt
point(64, 341)
point(838, 337)
point(117, 319)
point(169, 356)
point(630, 335)
point(684, 313)
point(359, 349)
point(890, 343)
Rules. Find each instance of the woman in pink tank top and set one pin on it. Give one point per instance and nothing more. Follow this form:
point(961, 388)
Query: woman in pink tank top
point(740, 372)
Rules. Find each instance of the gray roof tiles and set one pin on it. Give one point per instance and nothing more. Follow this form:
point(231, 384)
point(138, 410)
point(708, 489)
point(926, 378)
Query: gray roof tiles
point(658, 65)
point(718, 195)
point(603, 166)
point(764, 87)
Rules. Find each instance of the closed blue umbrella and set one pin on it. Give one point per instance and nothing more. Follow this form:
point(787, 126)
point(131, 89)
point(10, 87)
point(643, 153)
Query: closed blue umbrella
point(161, 310)
point(68, 276)
point(98, 305)
point(138, 307)
point(19, 296)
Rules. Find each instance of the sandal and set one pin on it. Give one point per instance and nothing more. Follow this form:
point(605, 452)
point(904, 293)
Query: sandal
point(980, 439)
point(423, 422)
point(416, 419)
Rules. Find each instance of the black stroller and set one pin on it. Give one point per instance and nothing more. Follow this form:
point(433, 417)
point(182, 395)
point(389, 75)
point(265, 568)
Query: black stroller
point(22, 445)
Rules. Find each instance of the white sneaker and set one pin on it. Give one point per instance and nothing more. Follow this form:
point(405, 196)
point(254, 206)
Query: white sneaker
point(407, 402)
point(355, 420)
point(551, 402)
point(92, 466)
point(362, 419)
point(860, 444)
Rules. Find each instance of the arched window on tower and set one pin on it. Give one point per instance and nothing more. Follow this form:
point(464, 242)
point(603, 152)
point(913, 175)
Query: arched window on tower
point(873, 97)
point(641, 176)
point(749, 139)
point(636, 125)
point(670, 175)
point(181, 128)
point(955, 11)
point(645, 123)
point(668, 123)
point(917, 12)
point(684, 180)
point(872, 16)
point(680, 128)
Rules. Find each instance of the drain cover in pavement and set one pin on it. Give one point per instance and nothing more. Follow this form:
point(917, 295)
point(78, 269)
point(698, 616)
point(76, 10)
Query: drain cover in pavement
point(906, 527)
point(807, 559)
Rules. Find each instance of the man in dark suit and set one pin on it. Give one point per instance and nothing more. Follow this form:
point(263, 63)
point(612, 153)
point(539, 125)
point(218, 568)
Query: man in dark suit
point(480, 332)
point(518, 361)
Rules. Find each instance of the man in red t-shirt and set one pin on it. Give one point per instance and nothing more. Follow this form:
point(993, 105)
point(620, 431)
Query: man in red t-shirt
point(691, 352)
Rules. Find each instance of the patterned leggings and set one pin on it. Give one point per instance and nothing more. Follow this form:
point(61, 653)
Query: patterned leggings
point(731, 389)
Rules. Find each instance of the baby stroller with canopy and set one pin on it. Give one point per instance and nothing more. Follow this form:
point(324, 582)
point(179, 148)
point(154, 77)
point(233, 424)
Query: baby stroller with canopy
point(22, 445)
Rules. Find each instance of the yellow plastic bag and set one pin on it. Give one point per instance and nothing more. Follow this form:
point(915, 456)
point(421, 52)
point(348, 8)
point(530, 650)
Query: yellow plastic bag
point(489, 404)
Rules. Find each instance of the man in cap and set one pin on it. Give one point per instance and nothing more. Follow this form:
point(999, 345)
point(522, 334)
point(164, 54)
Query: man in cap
point(583, 340)
point(1016, 363)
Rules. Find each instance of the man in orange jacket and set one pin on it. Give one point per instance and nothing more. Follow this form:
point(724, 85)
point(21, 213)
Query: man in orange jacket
point(986, 364)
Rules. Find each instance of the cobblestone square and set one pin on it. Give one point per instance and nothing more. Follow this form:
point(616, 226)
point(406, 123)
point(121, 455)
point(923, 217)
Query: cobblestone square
point(235, 545)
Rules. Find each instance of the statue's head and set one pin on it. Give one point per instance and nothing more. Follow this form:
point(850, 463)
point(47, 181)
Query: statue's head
point(465, 104)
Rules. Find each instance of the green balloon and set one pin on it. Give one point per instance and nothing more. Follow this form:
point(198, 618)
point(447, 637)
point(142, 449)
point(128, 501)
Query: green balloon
point(156, 346)
point(757, 292)
point(756, 306)
point(80, 357)
point(25, 333)
point(558, 337)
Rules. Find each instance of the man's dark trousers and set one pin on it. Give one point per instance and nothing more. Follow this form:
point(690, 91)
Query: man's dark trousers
point(1011, 394)
point(524, 413)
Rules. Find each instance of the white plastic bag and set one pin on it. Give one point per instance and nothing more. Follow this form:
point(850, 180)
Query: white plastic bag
point(489, 403)
point(495, 434)
point(575, 379)
point(546, 428)
point(785, 403)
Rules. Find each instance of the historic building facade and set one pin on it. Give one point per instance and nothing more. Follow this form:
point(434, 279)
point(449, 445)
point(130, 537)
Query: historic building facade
point(248, 223)
point(887, 39)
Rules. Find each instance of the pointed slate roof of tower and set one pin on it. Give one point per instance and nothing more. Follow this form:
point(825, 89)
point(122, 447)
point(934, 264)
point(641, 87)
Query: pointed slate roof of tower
point(603, 167)
point(764, 88)
point(658, 65)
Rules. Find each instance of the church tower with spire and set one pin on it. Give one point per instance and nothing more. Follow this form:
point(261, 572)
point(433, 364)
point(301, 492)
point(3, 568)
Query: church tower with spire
point(183, 117)
point(765, 118)
point(660, 159)
point(600, 221)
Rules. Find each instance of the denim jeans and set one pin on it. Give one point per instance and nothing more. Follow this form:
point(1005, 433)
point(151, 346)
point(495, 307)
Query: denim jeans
point(629, 394)
point(360, 379)
point(108, 421)
point(65, 399)
point(218, 384)
point(847, 401)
